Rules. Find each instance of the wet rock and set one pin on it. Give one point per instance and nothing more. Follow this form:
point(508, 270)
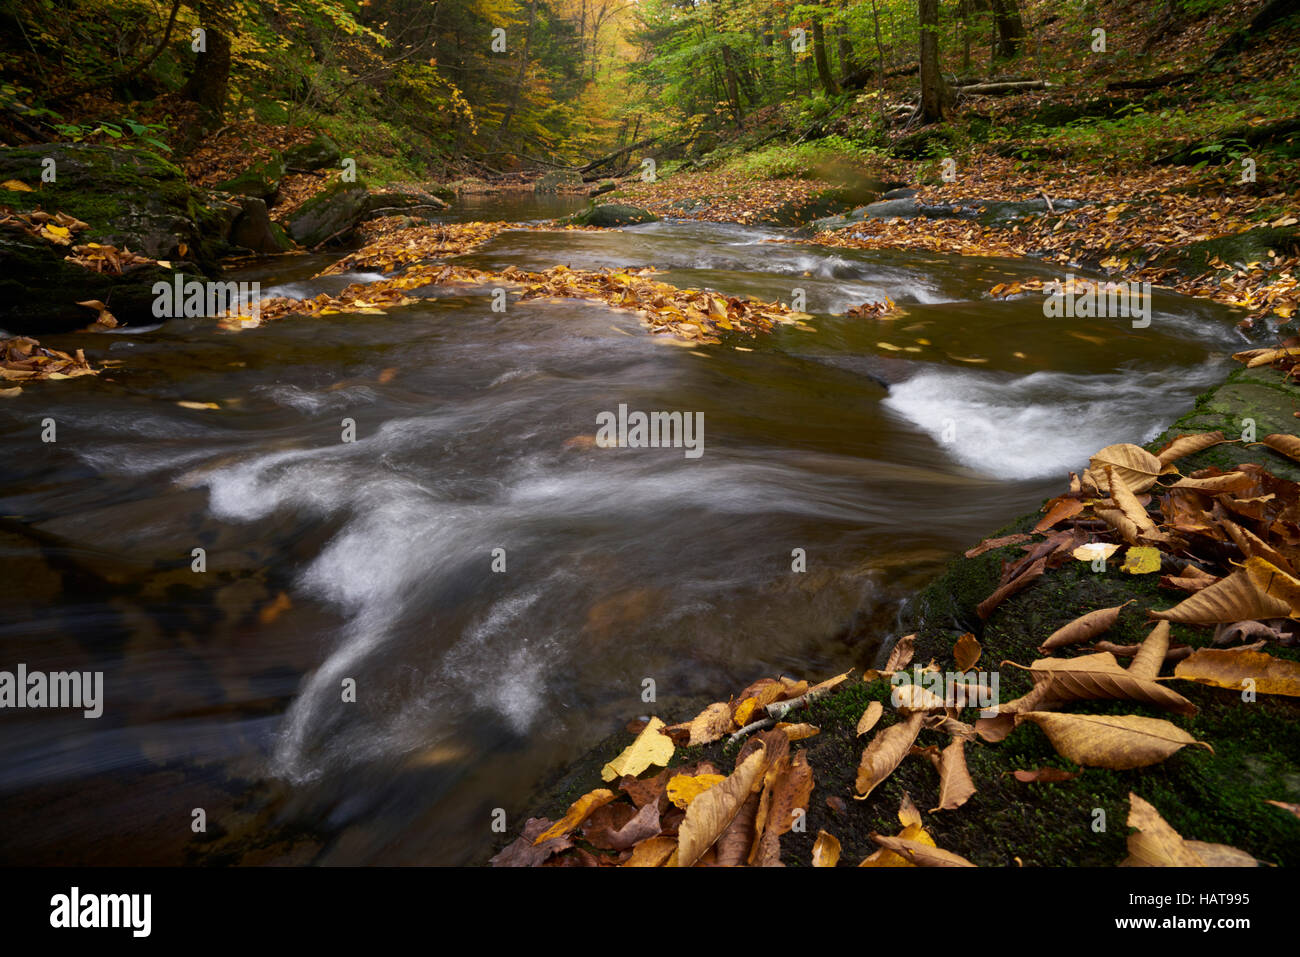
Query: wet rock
point(613, 214)
point(392, 202)
point(900, 193)
point(329, 215)
point(254, 230)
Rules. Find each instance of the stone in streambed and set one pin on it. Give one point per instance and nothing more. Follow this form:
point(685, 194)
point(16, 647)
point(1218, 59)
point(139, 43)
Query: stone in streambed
point(612, 214)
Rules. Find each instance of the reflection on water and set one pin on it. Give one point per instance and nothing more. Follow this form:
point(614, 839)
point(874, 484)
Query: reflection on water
point(395, 635)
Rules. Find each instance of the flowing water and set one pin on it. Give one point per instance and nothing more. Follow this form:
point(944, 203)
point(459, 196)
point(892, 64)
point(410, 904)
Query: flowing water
point(370, 564)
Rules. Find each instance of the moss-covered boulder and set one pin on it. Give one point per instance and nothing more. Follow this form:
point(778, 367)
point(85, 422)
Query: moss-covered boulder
point(261, 179)
point(132, 199)
point(613, 214)
point(330, 215)
point(317, 154)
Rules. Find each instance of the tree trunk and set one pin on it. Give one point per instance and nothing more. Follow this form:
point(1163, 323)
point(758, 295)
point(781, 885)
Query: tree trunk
point(519, 78)
point(208, 81)
point(934, 93)
point(819, 54)
point(1010, 29)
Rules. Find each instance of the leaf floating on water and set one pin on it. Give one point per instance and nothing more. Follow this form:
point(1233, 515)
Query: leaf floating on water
point(650, 747)
point(186, 404)
point(1109, 741)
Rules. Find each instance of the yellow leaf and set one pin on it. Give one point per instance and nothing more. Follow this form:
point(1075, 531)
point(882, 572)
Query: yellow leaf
point(826, 850)
point(16, 185)
point(578, 812)
point(650, 747)
point(683, 789)
point(1225, 668)
point(1141, 560)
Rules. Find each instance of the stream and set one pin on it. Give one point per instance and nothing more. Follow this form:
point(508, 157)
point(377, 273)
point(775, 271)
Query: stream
point(370, 564)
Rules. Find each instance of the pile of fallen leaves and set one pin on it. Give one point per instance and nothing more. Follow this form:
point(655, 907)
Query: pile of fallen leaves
point(59, 229)
point(690, 315)
point(236, 147)
point(398, 248)
point(1230, 539)
point(691, 815)
point(1162, 209)
point(25, 360)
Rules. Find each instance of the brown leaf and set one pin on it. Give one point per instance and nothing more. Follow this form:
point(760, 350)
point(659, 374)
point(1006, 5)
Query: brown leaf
point(1288, 445)
point(1084, 627)
point(870, 717)
point(921, 855)
point(955, 784)
point(1058, 510)
point(1024, 580)
point(1185, 445)
point(713, 811)
point(1110, 741)
point(1231, 668)
point(525, 852)
point(711, 724)
point(966, 652)
point(1090, 677)
point(1151, 656)
point(991, 543)
point(652, 852)
point(789, 793)
point(1155, 844)
point(1230, 599)
point(1044, 774)
point(885, 752)
point(1134, 466)
point(577, 813)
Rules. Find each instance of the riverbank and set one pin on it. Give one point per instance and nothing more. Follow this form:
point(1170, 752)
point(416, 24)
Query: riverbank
point(1221, 796)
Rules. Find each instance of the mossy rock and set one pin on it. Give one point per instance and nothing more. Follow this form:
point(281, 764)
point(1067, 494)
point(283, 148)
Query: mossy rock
point(1237, 251)
point(309, 157)
point(253, 229)
point(131, 198)
point(329, 215)
point(261, 179)
point(612, 214)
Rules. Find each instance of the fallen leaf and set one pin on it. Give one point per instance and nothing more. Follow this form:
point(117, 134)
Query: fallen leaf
point(885, 752)
point(650, 747)
point(1110, 741)
point(1228, 668)
point(826, 850)
point(1084, 627)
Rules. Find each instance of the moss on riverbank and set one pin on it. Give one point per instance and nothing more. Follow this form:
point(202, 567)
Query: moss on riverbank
point(1217, 797)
